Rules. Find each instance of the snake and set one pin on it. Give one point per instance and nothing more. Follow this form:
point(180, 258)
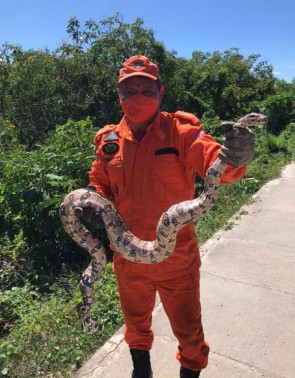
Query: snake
point(123, 240)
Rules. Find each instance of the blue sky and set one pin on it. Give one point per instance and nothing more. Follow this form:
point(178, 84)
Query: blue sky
point(265, 27)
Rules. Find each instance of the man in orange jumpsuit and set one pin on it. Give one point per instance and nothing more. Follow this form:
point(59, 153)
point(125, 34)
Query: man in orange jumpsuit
point(145, 164)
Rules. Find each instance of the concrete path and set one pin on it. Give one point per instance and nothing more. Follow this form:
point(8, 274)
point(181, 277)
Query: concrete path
point(248, 298)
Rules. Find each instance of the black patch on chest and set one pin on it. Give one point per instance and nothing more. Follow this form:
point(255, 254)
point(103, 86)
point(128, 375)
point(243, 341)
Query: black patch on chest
point(167, 151)
point(110, 148)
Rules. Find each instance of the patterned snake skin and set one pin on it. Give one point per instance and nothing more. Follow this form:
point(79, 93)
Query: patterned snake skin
point(127, 244)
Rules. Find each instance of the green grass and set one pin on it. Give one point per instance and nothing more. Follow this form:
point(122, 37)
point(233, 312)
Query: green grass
point(47, 340)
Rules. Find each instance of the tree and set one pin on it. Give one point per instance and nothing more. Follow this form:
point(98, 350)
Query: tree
point(228, 83)
point(41, 90)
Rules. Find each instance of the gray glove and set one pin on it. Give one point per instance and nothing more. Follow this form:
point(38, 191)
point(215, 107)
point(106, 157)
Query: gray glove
point(239, 145)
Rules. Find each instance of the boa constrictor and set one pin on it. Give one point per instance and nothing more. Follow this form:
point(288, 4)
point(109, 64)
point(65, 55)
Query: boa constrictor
point(127, 244)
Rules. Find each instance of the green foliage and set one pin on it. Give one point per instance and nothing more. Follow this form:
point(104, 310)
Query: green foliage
point(212, 125)
point(225, 83)
point(47, 336)
point(15, 268)
point(280, 110)
point(287, 138)
point(13, 302)
point(42, 89)
point(33, 184)
point(8, 136)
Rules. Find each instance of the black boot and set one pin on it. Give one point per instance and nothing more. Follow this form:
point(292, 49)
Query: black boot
point(187, 373)
point(141, 363)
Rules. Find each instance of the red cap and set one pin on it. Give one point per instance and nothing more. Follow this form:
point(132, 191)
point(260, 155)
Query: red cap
point(138, 65)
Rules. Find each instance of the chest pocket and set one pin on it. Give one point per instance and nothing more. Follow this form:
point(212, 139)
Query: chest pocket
point(116, 176)
point(168, 178)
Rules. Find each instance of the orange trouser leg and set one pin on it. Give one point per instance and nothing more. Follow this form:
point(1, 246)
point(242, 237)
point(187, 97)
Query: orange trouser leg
point(137, 299)
point(181, 302)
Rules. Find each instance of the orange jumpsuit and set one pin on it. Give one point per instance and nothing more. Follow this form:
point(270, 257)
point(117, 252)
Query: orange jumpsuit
point(143, 179)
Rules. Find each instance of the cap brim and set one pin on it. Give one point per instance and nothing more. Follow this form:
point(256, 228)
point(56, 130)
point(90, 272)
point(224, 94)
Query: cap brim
point(137, 74)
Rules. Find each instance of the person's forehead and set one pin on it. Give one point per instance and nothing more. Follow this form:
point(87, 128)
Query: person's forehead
point(138, 80)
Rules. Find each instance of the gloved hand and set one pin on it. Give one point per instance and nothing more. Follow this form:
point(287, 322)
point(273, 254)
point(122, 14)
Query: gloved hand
point(88, 214)
point(239, 145)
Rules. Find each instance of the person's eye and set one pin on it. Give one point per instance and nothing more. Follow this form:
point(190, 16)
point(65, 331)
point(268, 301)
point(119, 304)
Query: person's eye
point(129, 93)
point(149, 93)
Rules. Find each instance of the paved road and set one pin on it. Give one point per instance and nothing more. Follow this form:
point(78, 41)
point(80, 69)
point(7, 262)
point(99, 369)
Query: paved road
point(248, 298)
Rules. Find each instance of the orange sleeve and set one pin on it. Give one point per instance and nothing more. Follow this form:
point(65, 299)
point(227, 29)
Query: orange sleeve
point(98, 177)
point(203, 151)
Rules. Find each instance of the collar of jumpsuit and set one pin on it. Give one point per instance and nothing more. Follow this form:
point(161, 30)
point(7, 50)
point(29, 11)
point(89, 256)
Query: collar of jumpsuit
point(124, 130)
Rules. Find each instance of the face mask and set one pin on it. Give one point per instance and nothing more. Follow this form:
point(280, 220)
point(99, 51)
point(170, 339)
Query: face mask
point(140, 108)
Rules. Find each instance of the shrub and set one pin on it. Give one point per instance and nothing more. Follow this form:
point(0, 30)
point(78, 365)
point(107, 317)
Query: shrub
point(47, 336)
point(280, 111)
point(33, 184)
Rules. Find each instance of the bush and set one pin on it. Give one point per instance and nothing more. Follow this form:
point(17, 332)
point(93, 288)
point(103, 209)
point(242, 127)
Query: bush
point(280, 111)
point(287, 138)
point(15, 268)
point(47, 335)
point(33, 184)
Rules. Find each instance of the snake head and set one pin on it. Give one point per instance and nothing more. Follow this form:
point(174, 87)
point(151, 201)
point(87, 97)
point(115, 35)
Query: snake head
point(248, 120)
point(252, 119)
